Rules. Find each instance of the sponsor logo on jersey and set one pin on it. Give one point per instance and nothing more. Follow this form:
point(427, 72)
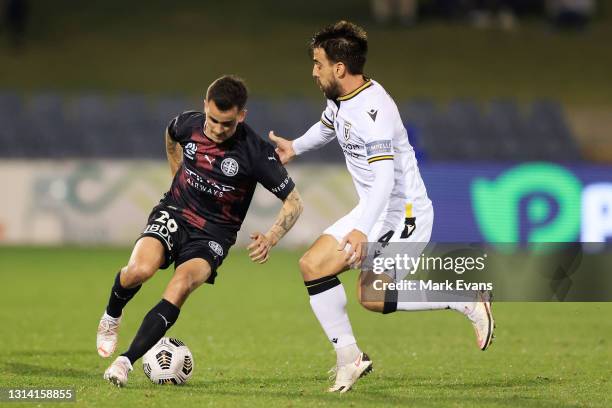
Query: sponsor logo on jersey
point(216, 247)
point(378, 147)
point(347, 130)
point(207, 185)
point(351, 149)
point(190, 150)
point(229, 167)
point(209, 160)
point(281, 186)
point(219, 186)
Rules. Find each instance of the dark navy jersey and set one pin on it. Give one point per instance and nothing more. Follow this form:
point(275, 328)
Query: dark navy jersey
point(214, 186)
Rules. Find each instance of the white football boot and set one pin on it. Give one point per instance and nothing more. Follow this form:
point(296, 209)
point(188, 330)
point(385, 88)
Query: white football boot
point(117, 373)
point(481, 316)
point(348, 374)
point(108, 335)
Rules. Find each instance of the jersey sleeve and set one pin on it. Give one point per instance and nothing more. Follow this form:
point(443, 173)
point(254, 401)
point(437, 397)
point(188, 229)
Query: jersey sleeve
point(377, 135)
point(318, 135)
point(271, 173)
point(181, 127)
point(378, 196)
point(327, 119)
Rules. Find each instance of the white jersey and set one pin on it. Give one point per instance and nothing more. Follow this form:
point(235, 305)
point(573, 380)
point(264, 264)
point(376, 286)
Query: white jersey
point(369, 128)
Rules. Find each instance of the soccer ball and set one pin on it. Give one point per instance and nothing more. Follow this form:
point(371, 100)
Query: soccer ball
point(168, 362)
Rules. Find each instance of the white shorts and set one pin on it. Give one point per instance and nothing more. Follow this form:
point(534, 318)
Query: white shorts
point(423, 224)
point(397, 231)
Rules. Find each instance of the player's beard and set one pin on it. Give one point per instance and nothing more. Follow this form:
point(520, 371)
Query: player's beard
point(331, 91)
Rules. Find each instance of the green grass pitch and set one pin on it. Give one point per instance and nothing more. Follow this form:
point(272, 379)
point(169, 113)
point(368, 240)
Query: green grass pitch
point(256, 342)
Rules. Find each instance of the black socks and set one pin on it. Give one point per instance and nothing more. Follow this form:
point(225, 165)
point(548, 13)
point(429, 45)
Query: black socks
point(153, 327)
point(119, 297)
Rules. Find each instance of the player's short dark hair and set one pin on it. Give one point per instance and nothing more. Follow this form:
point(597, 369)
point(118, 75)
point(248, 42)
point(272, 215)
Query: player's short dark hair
point(343, 42)
point(227, 92)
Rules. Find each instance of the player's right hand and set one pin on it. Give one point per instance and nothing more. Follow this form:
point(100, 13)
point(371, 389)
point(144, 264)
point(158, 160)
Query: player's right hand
point(353, 246)
point(284, 147)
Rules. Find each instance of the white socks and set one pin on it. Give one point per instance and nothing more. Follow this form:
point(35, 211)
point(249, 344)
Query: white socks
point(330, 308)
point(328, 302)
point(347, 354)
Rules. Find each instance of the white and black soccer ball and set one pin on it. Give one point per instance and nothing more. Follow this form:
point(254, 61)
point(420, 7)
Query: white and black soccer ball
point(168, 362)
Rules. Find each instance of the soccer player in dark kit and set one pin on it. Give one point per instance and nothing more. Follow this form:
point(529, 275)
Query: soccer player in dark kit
point(216, 160)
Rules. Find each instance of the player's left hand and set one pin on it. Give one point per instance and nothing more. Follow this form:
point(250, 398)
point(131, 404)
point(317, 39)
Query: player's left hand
point(259, 249)
point(355, 250)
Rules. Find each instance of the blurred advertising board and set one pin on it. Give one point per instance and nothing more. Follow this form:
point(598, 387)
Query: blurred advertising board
point(526, 202)
point(107, 202)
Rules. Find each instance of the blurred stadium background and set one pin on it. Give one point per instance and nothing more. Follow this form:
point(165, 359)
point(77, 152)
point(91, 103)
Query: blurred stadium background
point(483, 86)
point(507, 103)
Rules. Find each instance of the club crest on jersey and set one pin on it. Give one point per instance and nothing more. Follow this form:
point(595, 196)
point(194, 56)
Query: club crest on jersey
point(229, 167)
point(216, 247)
point(190, 150)
point(347, 130)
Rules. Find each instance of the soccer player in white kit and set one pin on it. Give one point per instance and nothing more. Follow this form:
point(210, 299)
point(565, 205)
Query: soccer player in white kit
point(393, 204)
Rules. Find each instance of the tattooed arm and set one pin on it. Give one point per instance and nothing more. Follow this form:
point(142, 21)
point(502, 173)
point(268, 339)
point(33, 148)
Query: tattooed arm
point(174, 152)
point(262, 243)
point(289, 213)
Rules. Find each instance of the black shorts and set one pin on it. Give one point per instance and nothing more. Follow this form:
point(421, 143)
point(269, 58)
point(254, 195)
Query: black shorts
point(182, 241)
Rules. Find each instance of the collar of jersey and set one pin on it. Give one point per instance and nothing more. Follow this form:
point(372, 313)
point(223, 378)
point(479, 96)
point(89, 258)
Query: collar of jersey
point(353, 94)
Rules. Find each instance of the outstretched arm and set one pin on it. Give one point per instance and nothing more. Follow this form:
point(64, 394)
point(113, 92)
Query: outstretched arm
point(316, 137)
point(174, 153)
point(262, 243)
